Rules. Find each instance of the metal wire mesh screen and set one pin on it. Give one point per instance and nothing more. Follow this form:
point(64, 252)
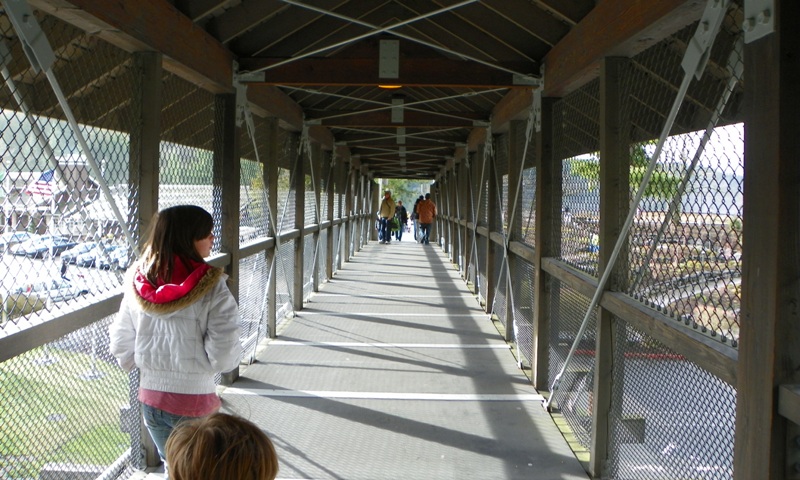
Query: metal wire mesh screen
point(669, 417)
point(523, 280)
point(481, 244)
point(576, 140)
point(253, 301)
point(186, 162)
point(284, 281)
point(499, 307)
point(309, 262)
point(310, 207)
point(527, 207)
point(567, 309)
point(322, 255)
point(686, 242)
point(67, 408)
point(255, 217)
point(285, 220)
point(50, 185)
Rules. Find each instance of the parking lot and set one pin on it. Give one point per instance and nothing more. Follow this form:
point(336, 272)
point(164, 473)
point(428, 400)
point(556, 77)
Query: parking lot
point(17, 271)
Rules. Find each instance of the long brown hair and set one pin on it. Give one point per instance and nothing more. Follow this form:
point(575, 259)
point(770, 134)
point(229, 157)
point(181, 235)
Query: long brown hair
point(172, 233)
point(220, 446)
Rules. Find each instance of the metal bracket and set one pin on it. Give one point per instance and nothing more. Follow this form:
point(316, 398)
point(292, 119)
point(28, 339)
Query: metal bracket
point(696, 57)
point(537, 110)
point(528, 80)
point(34, 42)
point(242, 109)
point(759, 19)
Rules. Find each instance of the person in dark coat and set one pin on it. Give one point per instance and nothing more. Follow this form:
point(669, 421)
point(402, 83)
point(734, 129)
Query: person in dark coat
point(401, 214)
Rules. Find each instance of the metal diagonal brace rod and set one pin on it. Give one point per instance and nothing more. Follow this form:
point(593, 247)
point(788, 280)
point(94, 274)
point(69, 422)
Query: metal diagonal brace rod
point(388, 106)
point(735, 67)
point(408, 106)
point(382, 135)
point(488, 151)
point(358, 37)
point(251, 130)
point(535, 106)
point(40, 54)
point(390, 30)
point(693, 64)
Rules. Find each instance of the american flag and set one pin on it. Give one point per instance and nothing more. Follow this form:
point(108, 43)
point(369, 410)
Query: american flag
point(44, 186)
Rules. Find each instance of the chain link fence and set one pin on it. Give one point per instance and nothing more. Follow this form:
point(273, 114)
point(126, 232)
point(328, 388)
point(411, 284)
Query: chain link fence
point(69, 226)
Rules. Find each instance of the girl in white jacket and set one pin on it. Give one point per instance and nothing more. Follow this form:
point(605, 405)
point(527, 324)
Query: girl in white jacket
point(178, 322)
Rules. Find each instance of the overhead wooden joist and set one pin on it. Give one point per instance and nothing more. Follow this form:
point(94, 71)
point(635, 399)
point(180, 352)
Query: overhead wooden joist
point(413, 72)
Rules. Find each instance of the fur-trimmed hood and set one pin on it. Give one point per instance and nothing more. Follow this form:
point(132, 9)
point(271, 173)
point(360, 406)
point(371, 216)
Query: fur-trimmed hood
point(206, 281)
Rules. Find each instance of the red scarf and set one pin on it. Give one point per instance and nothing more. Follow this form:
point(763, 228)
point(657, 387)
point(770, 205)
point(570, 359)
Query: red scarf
point(183, 281)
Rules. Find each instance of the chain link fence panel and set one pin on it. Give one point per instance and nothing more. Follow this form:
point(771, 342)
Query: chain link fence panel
point(567, 309)
point(68, 409)
point(663, 423)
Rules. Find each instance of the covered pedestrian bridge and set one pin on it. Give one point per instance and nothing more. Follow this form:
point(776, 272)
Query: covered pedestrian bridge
point(611, 285)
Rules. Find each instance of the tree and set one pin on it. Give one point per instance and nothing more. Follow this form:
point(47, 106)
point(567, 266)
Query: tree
point(663, 183)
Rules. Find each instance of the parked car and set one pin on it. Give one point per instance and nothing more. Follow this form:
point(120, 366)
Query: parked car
point(10, 239)
point(71, 255)
point(42, 246)
point(56, 289)
point(90, 258)
point(119, 259)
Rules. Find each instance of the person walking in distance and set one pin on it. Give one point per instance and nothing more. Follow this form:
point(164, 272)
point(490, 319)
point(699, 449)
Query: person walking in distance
point(415, 218)
point(426, 210)
point(401, 214)
point(178, 322)
point(384, 214)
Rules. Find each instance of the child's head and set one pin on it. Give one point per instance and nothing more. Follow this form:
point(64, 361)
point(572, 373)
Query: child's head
point(220, 446)
point(174, 231)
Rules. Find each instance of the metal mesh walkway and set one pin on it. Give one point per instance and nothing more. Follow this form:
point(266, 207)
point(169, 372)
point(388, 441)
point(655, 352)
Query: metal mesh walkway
point(393, 371)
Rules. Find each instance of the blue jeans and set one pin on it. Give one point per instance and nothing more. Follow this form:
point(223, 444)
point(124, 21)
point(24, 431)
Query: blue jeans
point(425, 229)
point(160, 424)
point(383, 230)
point(416, 230)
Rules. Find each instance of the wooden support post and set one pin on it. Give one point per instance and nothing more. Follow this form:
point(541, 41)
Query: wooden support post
point(298, 182)
point(468, 199)
point(349, 199)
point(145, 141)
point(328, 174)
point(143, 172)
point(516, 147)
point(769, 352)
point(493, 223)
point(316, 169)
point(271, 155)
point(226, 184)
point(452, 213)
point(546, 242)
point(614, 205)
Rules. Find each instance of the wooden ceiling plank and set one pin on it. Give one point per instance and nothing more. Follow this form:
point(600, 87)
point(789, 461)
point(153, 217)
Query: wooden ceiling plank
point(451, 32)
point(243, 17)
point(546, 27)
point(197, 10)
point(328, 30)
point(283, 25)
point(524, 41)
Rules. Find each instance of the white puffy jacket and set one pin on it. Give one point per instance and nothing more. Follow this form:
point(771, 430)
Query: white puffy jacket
point(179, 346)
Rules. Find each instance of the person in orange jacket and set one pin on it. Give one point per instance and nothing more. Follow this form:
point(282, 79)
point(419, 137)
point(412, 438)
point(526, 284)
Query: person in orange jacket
point(426, 211)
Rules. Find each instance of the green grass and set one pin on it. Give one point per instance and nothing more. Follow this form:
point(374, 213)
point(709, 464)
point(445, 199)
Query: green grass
point(50, 414)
